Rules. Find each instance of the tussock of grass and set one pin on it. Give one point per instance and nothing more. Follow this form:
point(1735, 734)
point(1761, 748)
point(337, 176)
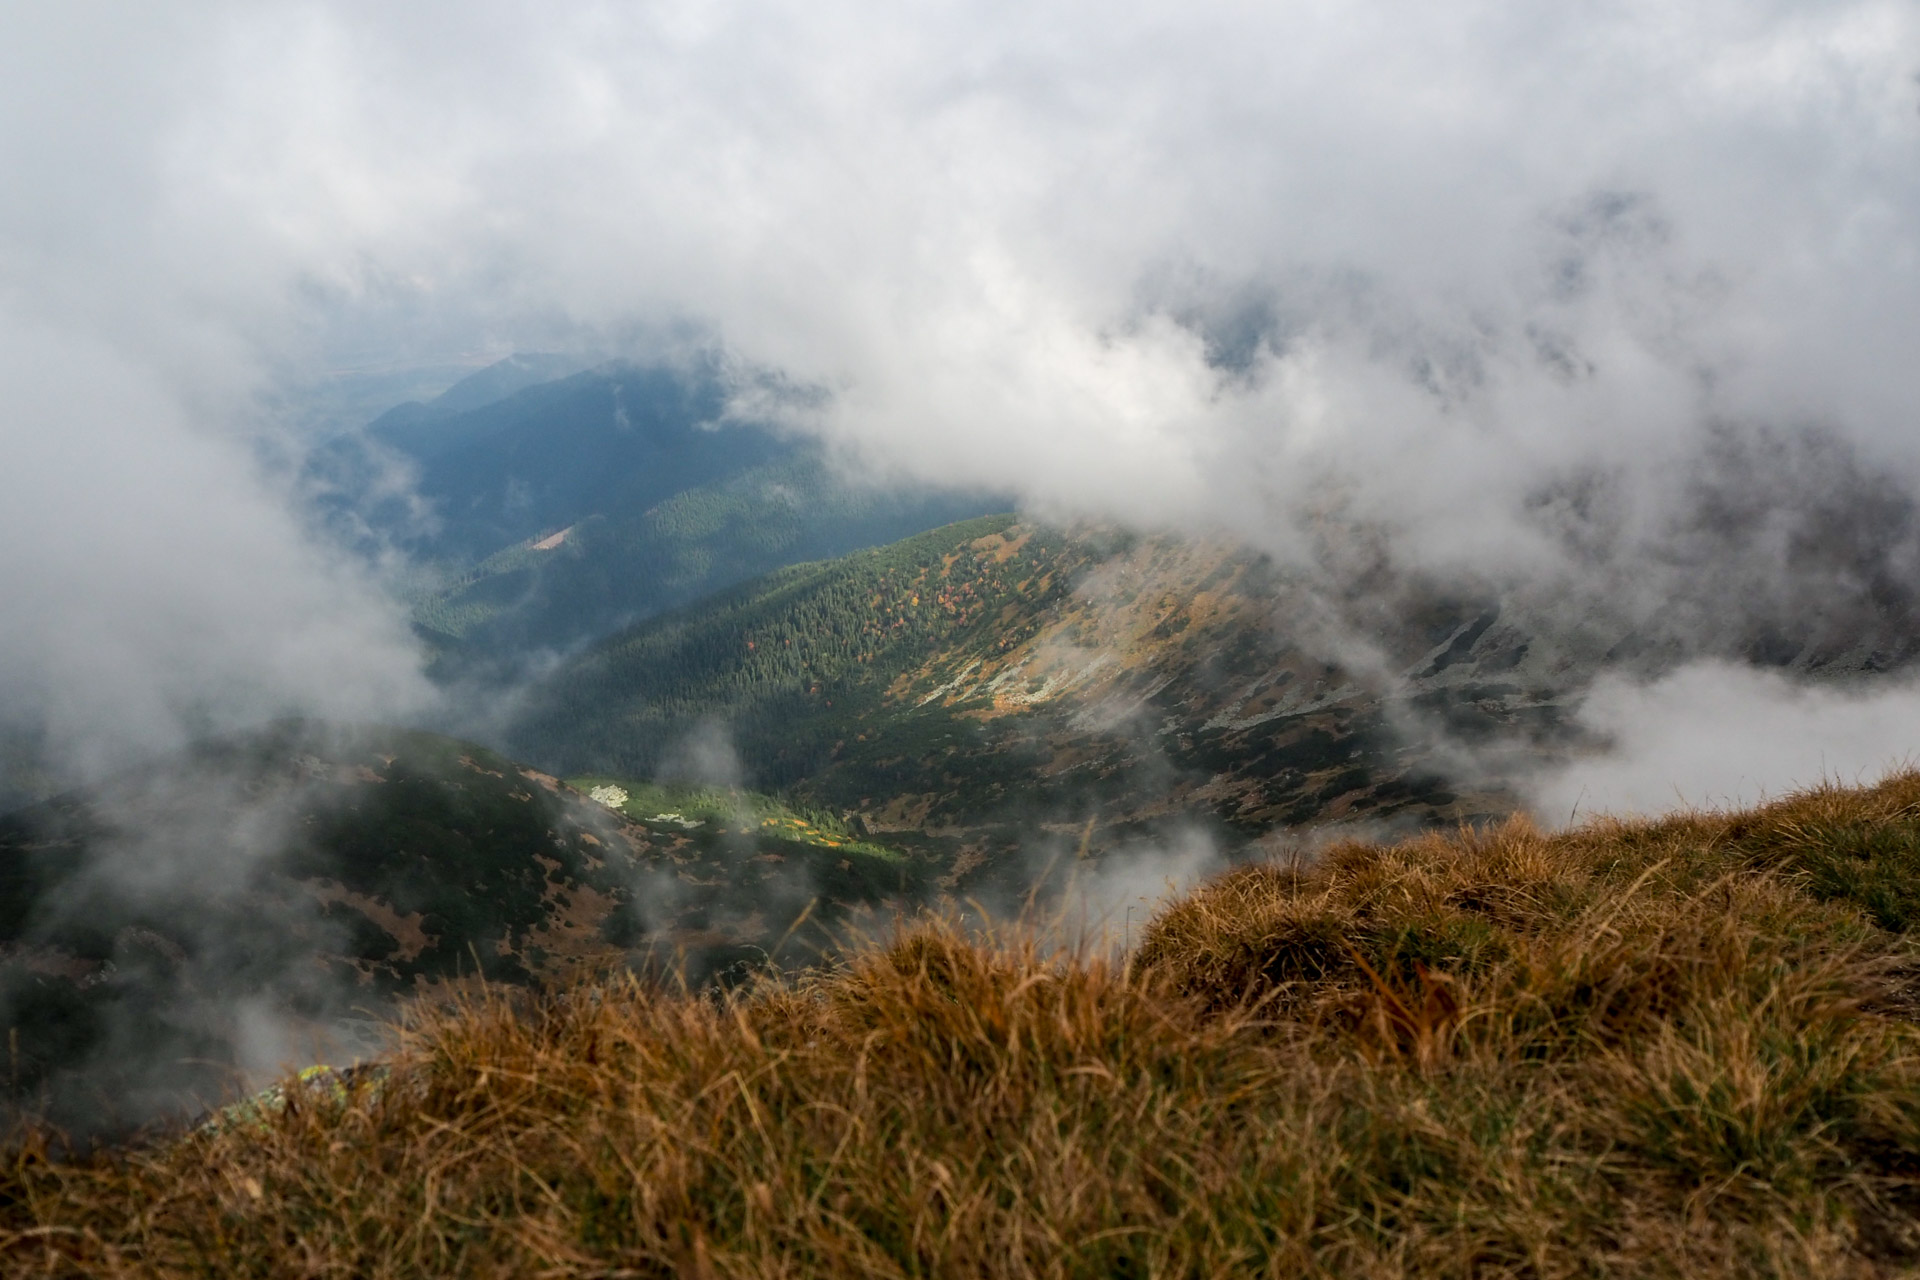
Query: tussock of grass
point(1672, 1048)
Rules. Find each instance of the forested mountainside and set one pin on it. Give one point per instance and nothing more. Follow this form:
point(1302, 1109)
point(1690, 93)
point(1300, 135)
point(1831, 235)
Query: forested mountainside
point(997, 674)
point(152, 926)
point(610, 569)
point(541, 513)
point(453, 487)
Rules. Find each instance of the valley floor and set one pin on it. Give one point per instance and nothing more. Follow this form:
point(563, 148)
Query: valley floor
point(1683, 1047)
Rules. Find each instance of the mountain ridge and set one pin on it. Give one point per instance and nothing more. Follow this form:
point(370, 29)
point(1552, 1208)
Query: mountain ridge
point(1001, 675)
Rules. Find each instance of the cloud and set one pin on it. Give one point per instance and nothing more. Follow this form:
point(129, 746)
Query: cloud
point(1102, 903)
point(705, 757)
point(157, 582)
point(1714, 735)
point(1192, 269)
point(1429, 268)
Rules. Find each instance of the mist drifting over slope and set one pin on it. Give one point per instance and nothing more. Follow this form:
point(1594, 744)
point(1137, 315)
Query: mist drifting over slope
point(1502, 288)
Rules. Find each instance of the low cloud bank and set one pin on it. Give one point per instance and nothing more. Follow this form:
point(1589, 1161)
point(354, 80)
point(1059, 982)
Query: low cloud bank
point(1715, 735)
point(1484, 290)
point(157, 585)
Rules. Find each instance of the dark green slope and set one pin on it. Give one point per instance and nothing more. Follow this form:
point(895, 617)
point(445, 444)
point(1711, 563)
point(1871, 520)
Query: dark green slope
point(422, 430)
point(619, 437)
point(540, 517)
point(611, 569)
point(1028, 692)
point(290, 878)
point(453, 485)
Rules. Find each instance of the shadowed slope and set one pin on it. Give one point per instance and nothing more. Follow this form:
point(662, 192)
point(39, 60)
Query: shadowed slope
point(271, 885)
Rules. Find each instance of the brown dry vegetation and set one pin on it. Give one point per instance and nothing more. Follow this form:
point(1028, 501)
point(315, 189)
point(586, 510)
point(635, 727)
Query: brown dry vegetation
point(1673, 1048)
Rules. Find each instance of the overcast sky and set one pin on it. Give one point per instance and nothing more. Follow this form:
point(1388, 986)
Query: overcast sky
point(1201, 264)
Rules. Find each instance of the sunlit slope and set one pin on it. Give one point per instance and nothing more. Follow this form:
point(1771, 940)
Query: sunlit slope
point(998, 673)
point(1680, 1048)
point(790, 661)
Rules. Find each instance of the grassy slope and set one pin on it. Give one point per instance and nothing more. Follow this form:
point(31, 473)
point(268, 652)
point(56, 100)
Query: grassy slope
point(1675, 1048)
point(670, 810)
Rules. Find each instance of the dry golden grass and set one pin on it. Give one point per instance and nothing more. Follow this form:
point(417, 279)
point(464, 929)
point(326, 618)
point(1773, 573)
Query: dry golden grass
point(1676, 1048)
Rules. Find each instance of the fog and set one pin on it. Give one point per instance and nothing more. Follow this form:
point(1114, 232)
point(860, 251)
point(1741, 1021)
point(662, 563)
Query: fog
point(156, 585)
point(1425, 269)
point(1714, 736)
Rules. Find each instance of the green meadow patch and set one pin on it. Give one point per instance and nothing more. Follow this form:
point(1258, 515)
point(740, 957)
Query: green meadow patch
point(728, 811)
